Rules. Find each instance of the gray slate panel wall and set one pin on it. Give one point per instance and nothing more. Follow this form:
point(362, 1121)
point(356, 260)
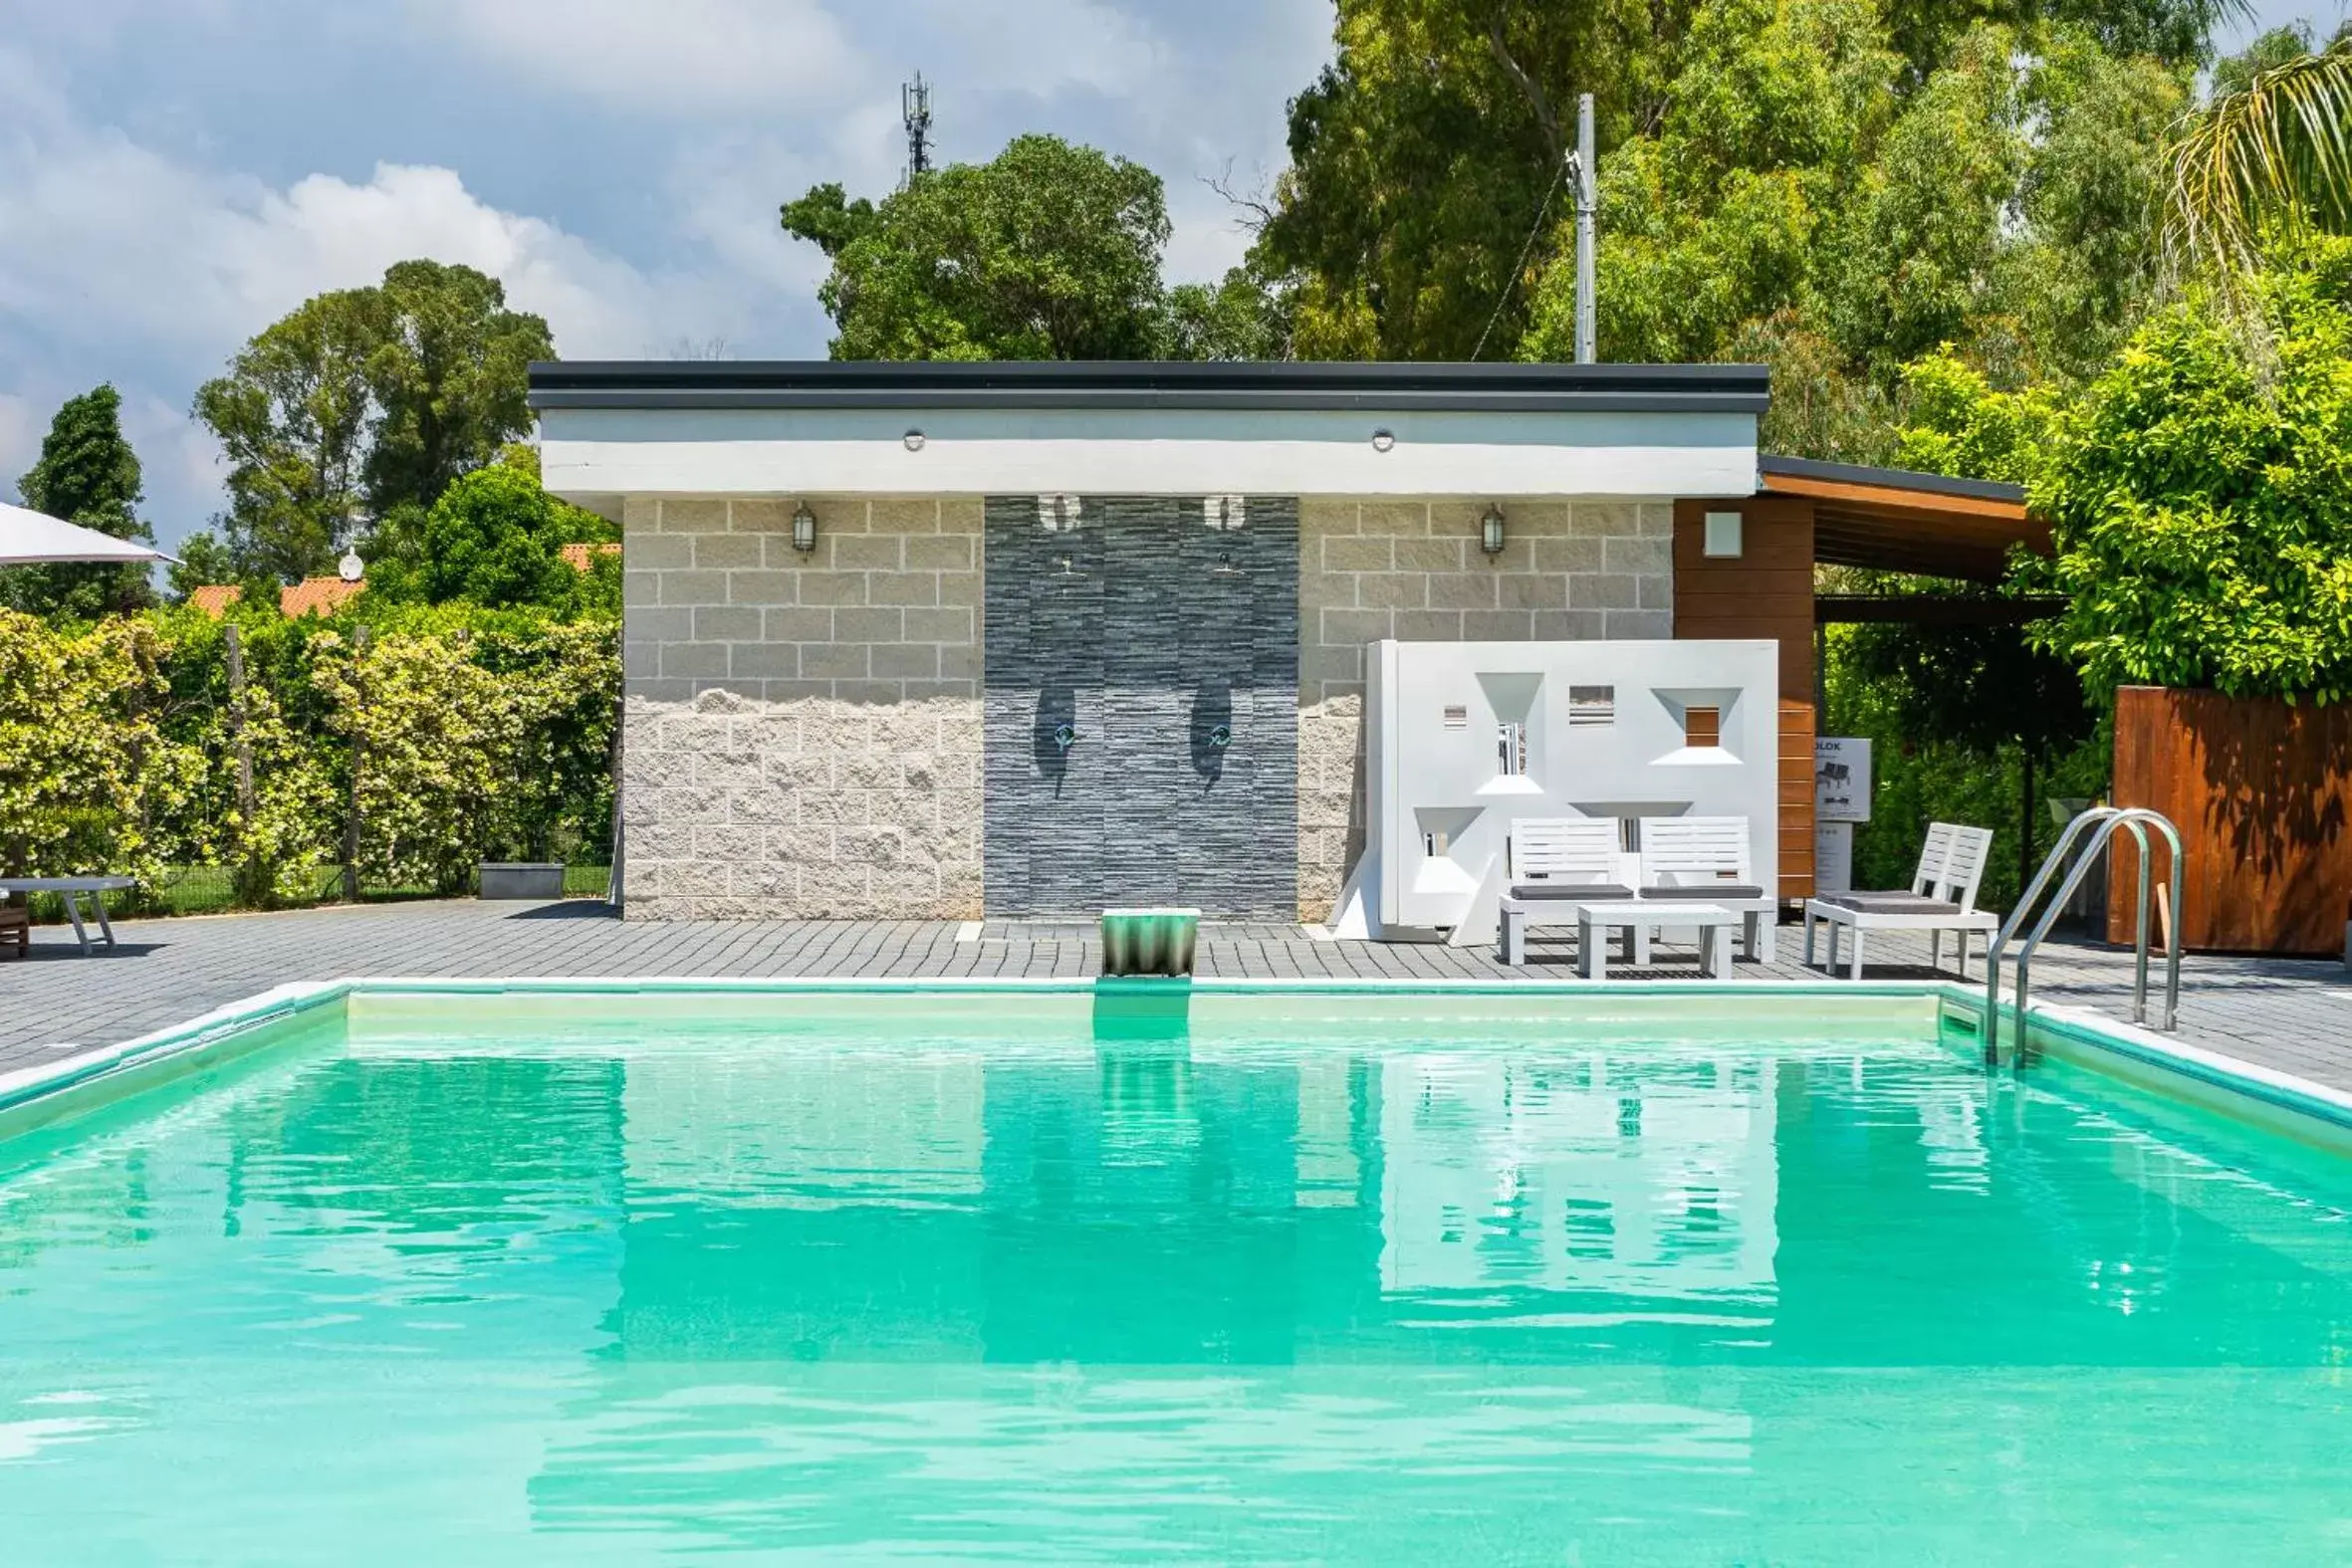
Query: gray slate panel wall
point(1144, 629)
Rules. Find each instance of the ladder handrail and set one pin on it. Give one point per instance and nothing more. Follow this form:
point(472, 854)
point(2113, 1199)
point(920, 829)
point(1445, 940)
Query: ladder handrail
point(2101, 823)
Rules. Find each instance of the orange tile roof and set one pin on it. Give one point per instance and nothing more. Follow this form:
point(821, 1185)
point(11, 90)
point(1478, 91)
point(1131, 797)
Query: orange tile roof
point(214, 599)
point(580, 555)
point(316, 596)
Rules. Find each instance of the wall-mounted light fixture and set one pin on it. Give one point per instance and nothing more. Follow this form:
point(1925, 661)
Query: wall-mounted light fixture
point(803, 528)
point(914, 440)
point(1722, 534)
point(1489, 530)
point(1382, 440)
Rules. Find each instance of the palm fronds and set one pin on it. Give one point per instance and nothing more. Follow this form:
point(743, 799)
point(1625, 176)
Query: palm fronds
point(2268, 161)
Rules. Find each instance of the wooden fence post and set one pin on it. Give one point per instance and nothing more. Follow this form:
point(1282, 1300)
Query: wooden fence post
point(243, 743)
point(351, 825)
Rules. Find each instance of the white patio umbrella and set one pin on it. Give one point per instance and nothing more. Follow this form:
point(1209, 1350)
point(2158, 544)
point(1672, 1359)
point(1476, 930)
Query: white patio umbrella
point(29, 536)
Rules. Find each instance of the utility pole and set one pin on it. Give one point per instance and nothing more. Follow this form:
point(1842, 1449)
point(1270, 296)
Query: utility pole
point(1586, 199)
point(914, 110)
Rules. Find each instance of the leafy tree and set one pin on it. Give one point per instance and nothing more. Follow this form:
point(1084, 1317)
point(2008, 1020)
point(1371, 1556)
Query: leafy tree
point(1960, 424)
point(364, 400)
point(204, 561)
point(292, 417)
point(1432, 147)
point(828, 219)
point(1803, 203)
point(2201, 501)
point(2177, 32)
point(1047, 251)
point(86, 474)
point(1245, 317)
point(450, 380)
point(1429, 151)
point(495, 538)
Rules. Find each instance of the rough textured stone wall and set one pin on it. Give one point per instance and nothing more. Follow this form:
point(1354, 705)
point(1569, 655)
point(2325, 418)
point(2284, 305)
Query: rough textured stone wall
point(803, 732)
point(1413, 570)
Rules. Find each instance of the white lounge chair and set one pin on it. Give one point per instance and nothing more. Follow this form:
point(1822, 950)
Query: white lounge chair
point(1706, 860)
point(1556, 863)
point(1942, 897)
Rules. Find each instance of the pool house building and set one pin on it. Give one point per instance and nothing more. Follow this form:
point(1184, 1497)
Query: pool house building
point(954, 641)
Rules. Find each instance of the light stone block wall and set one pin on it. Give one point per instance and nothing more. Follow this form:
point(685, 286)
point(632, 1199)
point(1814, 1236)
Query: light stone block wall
point(1413, 570)
point(801, 731)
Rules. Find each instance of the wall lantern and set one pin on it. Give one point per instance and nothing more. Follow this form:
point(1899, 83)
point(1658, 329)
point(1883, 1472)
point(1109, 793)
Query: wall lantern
point(803, 528)
point(914, 440)
point(1382, 440)
point(1722, 534)
point(1490, 532)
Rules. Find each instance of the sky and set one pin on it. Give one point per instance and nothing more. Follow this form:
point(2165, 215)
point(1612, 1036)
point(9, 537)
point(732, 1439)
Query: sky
point(176, 174)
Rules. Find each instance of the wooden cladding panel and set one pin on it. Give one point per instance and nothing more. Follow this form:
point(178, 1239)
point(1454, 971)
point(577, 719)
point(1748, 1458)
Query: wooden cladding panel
point(1767, 590)
point(2262, 795)
point(1796, 800)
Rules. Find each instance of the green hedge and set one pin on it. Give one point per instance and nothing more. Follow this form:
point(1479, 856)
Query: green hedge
point(455, 735)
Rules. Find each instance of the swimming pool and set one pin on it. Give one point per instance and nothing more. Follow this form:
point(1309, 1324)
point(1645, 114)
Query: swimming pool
point(413, 1274)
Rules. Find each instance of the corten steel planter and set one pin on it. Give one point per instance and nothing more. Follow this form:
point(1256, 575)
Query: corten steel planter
point(1149, 940)
point(536, 880)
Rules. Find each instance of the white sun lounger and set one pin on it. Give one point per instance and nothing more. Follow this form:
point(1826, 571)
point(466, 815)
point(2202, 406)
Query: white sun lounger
point(1708, 860)
point(1556, 864)
point(1942, 897)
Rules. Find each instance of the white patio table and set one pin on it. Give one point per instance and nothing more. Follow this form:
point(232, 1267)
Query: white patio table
point(1635, 917)
point(72, 889)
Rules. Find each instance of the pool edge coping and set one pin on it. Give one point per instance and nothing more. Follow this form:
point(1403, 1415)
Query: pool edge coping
point(2078, 1025)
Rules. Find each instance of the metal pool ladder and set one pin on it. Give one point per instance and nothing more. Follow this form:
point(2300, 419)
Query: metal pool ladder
point(2077, 849)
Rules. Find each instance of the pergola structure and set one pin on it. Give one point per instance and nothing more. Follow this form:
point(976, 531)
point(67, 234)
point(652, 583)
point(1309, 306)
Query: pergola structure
point(1804, 515)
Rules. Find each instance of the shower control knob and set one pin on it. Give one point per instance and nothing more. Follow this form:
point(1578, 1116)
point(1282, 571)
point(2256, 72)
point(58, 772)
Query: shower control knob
point(1221, 736)
point(1064, 737)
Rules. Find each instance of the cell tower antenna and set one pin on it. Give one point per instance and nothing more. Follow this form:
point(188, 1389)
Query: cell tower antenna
point(914, 108)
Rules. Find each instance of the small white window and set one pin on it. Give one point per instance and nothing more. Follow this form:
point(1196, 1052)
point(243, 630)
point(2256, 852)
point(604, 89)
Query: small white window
point(1591, 705)
point(1722, 534)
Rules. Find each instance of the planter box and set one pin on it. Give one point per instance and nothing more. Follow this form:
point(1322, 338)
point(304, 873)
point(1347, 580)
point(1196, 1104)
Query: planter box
point(540, 881)
point(2261, 792)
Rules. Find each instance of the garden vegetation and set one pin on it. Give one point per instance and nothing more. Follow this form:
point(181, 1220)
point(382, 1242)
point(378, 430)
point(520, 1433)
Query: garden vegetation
point(2055, 242)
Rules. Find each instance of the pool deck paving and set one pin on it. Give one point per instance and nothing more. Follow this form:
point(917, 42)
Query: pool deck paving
point(2294, 1016)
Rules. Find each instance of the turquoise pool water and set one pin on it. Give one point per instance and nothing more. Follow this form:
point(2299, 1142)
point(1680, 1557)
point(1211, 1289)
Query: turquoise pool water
point(850, 1280)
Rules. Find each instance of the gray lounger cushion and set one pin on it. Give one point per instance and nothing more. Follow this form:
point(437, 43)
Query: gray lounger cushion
point(1890, 904)
point(1705, 890)
point(1578, 892)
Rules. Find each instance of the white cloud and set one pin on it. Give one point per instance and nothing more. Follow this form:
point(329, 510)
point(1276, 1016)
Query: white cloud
point(154, 251)
point(120, 262)
point(699, 57)
point(175, 174)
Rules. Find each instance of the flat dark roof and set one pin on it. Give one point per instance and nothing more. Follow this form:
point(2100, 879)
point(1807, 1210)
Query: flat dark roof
point(826, 383)
point(1770, 463)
